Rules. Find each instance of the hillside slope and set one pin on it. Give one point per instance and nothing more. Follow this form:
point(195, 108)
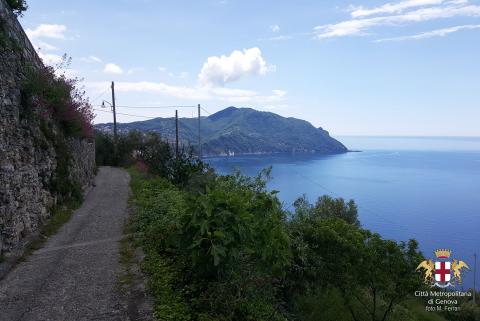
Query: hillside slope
point(242, 131)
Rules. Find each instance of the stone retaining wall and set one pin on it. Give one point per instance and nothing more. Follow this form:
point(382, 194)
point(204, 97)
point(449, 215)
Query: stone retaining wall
point(28, 158)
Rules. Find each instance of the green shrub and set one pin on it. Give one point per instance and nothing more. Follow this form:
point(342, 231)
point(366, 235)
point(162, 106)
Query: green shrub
point(235, 216)
point(372, 275)
point(222, 250)
point(49, 95)
point(17, 6)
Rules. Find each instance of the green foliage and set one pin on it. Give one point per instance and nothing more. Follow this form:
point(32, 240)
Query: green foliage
point(414, 310)
point(234, 217)
point(62, 184)
point(152, 154)
point(127, 145)
point(372, 275)
point(328, 207)
point(215, 252)
point(104, 149)
point(157, 155)
point(57, 107)
point(170, 304)
point(325, 305)
point(18, 6)
point(47, 94)
point(468, 312)
point(221, 248)
point(159, 206)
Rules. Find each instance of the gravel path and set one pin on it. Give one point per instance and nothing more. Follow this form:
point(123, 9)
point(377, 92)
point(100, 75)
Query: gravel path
point(74, 276)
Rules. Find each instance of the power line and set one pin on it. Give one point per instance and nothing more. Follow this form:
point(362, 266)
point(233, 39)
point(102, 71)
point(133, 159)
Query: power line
point(206, 111)
point(139, 116)
point(151, 107)
point(103, 93)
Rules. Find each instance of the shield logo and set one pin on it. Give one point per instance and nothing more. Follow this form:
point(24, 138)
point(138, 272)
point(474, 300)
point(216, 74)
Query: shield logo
point(439, 273)
point(443, 270)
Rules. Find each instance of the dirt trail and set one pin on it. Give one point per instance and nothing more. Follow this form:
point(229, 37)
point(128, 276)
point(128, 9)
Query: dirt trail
point(74, 276)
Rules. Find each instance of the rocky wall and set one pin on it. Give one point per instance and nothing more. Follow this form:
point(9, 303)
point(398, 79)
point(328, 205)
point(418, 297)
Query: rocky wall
point(28, 156)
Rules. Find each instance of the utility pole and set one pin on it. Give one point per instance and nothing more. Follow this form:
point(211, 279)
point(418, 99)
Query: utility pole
point(199, 135)
point(474, 277)
point(114, 123)
point(176, 133)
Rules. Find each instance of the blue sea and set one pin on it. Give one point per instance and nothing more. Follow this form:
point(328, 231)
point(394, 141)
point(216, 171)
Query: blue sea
point(427, 188)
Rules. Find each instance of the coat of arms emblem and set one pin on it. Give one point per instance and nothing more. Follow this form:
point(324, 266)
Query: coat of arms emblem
point(439, 273)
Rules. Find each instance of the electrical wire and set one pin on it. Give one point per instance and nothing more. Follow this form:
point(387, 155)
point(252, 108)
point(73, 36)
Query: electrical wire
point(149, 107)
point(103, 93)
point(139, 116)
point(209, 113)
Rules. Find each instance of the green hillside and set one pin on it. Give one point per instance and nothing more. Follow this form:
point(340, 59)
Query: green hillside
point(242, 131)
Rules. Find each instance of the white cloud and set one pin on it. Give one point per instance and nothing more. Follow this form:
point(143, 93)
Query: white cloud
point(91, 59)
point(197, 93)
point(279, 93)
point(219, 70)
point(50, 59)
point(361, 26)
point(429, 34)
point(280, 38)
point(275, 28)
point(41, 45)
point(390, 8)
point(47, 31)
point(112, 68)
point(134, 70)
point(216, 72)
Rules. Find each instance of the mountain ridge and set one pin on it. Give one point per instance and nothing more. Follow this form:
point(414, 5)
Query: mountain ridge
point(242, 130)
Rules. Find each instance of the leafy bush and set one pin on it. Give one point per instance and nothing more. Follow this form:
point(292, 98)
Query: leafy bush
point(234, 217)
point(223, 249)
point(328, 207)
point(104, 149)
point(48, 94)
point(149, 151)
point(127, 145)
point(371, 274)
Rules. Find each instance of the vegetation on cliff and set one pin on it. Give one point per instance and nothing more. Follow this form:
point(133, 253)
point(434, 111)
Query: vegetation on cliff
point(59, 108)
point(48, 93)
point(18, 6)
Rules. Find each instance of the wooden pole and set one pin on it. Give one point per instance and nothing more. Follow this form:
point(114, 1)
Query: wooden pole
point(199, 135)
point(114, 123)
point(176, 133)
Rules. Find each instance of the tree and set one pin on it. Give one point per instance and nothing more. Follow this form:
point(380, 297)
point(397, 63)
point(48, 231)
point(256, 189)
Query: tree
point(18, 6)
point(328, 207)
point(372, 275)
point(383, 278)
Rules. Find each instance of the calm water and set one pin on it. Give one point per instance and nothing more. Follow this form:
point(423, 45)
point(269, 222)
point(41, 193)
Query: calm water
point(422, 188)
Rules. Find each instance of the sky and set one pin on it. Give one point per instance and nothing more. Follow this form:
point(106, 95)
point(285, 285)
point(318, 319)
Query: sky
point(355, 67)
